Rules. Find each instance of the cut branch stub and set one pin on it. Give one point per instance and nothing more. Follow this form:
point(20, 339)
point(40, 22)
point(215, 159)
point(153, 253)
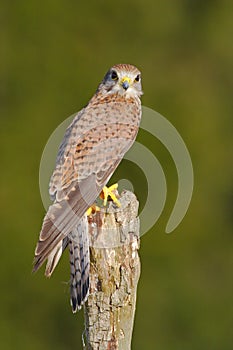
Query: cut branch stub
point(114, 274)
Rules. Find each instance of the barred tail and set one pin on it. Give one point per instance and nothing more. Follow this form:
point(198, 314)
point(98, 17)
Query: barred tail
point(79, 265)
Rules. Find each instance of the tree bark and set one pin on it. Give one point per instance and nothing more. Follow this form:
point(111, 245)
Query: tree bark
point(114, 274)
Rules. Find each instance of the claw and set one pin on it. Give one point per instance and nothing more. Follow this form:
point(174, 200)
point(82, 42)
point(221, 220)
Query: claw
point(112, 193)
point(92, 210)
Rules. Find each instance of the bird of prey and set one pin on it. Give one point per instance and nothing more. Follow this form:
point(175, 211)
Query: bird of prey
point(92, 147)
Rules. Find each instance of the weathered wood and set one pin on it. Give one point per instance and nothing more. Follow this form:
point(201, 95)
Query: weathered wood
point(115, 270)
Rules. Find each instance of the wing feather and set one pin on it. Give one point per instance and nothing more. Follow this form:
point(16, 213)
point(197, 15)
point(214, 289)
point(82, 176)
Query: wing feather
point(87, 157)
point(63, 216)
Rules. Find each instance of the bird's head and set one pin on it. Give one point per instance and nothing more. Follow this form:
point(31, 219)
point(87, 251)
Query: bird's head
point(124, 79)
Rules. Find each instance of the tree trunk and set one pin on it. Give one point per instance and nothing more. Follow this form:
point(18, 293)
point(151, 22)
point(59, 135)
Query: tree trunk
point(115, 270)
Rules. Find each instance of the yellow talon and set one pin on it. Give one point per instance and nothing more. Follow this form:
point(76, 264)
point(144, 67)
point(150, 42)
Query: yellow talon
point(111, 192)
point(93, 209)
point(106, 192)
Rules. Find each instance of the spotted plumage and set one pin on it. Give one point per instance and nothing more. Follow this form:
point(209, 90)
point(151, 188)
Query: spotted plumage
point(93, 146)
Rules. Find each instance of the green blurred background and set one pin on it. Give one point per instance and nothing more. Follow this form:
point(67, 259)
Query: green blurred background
point(53, 55)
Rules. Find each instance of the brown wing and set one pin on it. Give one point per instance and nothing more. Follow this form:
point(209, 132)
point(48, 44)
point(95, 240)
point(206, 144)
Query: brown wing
point(62, 216)
point(64, 161)
point(84, 166)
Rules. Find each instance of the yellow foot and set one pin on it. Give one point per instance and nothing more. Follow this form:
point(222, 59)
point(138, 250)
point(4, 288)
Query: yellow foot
point(110, 192)
point(92, 210)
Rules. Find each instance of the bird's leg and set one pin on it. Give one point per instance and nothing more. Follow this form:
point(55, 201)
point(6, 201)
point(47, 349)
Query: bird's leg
point(110, 192)
point(105, 193)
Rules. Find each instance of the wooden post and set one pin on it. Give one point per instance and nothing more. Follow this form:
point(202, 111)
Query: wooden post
point(115, 270)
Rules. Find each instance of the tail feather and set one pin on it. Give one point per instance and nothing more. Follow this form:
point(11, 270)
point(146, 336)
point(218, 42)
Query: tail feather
point(79, 265)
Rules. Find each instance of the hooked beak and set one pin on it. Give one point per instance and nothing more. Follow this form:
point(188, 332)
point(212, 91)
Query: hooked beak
point(125, 83)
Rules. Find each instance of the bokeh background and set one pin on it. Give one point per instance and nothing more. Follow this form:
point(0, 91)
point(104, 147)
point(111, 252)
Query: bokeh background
point(53, 55)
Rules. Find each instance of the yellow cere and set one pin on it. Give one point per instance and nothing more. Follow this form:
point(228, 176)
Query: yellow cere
point(126, 79)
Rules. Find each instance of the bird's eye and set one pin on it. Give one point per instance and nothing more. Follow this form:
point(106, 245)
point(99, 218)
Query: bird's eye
point(114, 75)
point(137, 78)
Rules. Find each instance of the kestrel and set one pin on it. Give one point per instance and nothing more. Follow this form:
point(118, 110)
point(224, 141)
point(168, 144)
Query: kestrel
point(92, 148)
